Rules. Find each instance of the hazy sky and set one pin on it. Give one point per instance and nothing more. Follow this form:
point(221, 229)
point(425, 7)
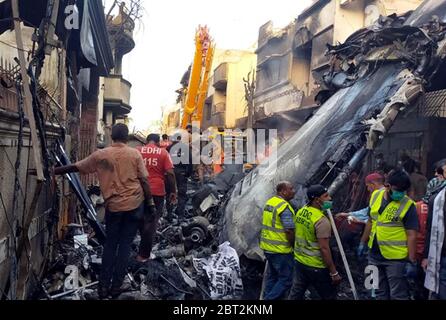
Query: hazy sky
point(165, 43)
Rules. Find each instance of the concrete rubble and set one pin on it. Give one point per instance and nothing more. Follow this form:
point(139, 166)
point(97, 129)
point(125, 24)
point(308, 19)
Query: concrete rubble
point(187, 261)
point(210, 254)
point(376, 74)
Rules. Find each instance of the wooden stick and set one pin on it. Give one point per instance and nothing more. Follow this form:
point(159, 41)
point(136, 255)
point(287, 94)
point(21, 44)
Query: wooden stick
point(27, 98)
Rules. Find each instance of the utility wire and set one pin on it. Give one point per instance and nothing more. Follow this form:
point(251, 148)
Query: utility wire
point(13, 46)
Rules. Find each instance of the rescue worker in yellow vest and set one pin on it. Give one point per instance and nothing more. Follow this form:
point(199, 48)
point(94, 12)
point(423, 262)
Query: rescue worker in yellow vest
point(314, 264)
point(391, 236)
point(277, 239)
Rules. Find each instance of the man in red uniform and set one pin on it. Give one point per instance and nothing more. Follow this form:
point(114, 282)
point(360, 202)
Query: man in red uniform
point(159, 164)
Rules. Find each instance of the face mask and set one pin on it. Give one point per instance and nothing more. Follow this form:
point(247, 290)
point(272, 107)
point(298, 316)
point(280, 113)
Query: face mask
point(327, 205)
point(397, 195)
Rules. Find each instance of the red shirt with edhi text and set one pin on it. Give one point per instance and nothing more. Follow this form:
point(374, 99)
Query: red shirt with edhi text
point(157, 161)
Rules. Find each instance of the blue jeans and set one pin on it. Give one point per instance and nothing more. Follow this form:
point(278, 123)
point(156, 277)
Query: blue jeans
point(279, 276)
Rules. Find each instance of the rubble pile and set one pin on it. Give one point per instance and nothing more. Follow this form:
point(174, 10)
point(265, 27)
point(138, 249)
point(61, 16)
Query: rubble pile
point(73, 273)
point(187, 262)
point(389, 40)
point(378, 74)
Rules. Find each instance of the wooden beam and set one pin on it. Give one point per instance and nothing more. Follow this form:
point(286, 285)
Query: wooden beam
point(27, 98)
point(49, 39)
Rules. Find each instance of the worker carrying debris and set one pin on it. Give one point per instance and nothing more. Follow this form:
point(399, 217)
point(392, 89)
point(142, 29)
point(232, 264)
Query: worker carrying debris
point(124, 185)
point(314, 264)
point(159, 165)
point(391, 232)
point(277, 240)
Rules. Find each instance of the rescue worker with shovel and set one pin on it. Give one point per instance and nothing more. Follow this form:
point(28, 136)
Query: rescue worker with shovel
point(277, 240)
point(313, 260)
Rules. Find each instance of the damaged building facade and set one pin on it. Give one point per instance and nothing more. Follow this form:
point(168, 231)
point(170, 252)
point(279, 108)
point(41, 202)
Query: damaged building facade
point(65, 66)
point(292, 60)
point(381, 90)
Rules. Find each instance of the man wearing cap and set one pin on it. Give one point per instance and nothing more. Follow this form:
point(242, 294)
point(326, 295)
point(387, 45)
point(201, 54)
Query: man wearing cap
point(391, 232)
point(313, 260)
point(374, 181)
point(277, 240)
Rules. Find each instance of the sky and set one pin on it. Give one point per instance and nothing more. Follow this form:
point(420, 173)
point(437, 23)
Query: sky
point(165, 43)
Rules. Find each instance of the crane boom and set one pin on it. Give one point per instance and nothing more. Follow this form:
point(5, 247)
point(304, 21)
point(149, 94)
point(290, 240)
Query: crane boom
point(199, 77)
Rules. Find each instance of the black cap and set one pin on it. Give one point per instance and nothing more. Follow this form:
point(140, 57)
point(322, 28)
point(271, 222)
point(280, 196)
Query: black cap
point(316, 191)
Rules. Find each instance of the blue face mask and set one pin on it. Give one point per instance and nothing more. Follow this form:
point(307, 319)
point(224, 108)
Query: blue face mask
point(397, 195)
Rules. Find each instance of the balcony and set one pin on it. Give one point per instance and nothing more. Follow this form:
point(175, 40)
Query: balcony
point(120, 29)
point(221, 77)
point(117, 94)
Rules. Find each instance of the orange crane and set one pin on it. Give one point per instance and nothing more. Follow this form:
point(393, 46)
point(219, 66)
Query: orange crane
point(199, 78)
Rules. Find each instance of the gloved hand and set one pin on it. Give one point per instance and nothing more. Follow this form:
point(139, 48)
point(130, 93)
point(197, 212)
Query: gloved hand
point(410, 270)
point(361, 251)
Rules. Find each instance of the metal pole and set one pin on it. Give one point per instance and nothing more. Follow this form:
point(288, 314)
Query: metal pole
point(344, 258)
point(265, 272)
point(66, 293)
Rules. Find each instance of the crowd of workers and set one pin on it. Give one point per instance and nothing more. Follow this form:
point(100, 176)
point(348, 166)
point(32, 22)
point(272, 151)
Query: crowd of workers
point(403, 237)
point(137, 184)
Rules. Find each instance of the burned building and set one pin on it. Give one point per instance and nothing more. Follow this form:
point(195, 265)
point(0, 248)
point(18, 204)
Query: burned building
point(65, 51)
point(382, 75)
point(292, 60)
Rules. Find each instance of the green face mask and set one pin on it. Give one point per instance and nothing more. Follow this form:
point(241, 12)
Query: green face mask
point(327, 205)
point(397, 195)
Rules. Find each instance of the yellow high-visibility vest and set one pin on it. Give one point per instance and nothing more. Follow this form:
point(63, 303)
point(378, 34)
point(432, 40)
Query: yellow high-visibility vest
point(388, 227)
point(306, 246)
point(273, 238)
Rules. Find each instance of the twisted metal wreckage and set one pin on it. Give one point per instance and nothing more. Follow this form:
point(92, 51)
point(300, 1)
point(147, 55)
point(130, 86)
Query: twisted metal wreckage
point(377, 74)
